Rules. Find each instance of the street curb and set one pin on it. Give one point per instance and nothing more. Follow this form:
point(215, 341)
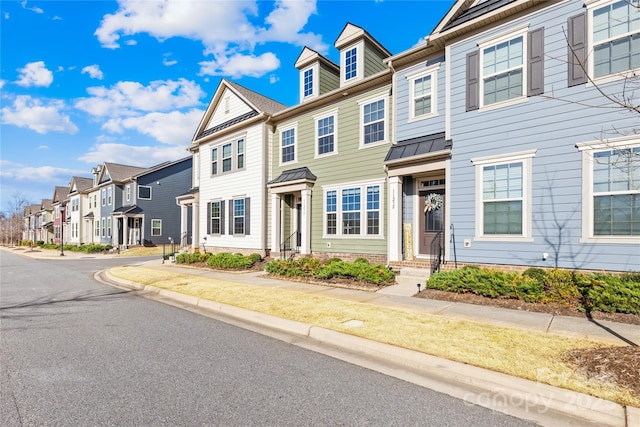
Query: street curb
point(525, 399)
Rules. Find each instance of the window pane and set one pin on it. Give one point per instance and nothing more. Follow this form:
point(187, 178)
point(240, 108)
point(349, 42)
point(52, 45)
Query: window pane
point(288, 146)
point(373, 223)
point(308, 82)
point(325, 135)
point(503, 218)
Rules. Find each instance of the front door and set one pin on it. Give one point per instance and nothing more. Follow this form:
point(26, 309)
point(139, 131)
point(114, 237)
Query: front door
point(431, 218)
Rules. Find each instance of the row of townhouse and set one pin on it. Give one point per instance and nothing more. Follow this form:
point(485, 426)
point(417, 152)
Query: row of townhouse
point(491, 143)
point(119, 205)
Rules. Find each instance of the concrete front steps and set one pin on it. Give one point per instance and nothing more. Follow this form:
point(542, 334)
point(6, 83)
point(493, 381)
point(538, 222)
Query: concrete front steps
point(407, 282)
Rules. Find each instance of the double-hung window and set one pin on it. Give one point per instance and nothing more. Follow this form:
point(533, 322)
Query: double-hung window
point(353, 210)
point(611, 173)
point(422, 89)
point(128, 193)
point(216, 218)
point(109, 227)
point(288, 145)
point(503, 71)
point(503, 195)
point(109, 195)
point(238, 216)
point(240, 154)
point(97, 228)
point(308, 83)
point(227, 157)
point(326, 134)
point(373, 122)
point(214, 161)
point(616, 37)
point(156, 227)
point(351, 63)
point(104, 197)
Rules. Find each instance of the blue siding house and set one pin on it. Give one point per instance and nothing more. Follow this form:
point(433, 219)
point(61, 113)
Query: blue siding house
point(147, 212)
point(513, 145)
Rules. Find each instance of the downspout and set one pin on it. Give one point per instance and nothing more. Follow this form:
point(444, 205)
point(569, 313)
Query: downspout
point(266, 176)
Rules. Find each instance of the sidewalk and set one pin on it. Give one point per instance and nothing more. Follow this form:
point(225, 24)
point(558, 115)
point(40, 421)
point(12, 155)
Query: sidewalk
point(524, 399)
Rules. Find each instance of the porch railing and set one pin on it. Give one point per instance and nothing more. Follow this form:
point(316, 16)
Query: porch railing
point(287, 251)
point(437, 251)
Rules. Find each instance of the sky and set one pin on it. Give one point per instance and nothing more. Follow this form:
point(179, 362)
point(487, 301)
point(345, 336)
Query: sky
point(88, 82)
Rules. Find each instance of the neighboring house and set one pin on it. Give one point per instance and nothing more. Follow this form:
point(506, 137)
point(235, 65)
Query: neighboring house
point(76, 202)
point(45, 215)
point(30, 225)
point(328, 193)
point(501, 115)
point(109, 180)
point(148, 213)
point(228, 197)
point(59, 196)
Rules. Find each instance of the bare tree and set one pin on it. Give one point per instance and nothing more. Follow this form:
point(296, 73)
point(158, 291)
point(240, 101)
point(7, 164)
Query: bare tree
point(12, 219)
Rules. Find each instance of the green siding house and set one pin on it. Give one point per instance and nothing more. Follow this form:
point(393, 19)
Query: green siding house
point(328, 193)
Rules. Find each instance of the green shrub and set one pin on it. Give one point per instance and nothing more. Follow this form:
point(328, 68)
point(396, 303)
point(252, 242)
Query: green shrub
point(560, 287)
point(609, 293)
point(225, 260)
point(535, 273)
point(359, 270)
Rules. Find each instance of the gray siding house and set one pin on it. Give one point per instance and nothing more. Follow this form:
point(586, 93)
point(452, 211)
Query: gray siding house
point(513, 146)
point(149, 210)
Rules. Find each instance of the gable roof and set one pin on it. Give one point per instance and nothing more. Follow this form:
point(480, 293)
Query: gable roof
point(259, 104)
point(352, 33)
point(161, 166)
point(119, 173)
point(60, 193)
point(81, 185)
point(309, 56)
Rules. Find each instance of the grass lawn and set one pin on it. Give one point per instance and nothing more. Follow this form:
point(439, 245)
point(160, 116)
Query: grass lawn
point(523, 353)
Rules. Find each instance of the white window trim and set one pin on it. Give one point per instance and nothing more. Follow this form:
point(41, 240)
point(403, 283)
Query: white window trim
point(362, 185)
point(492, 41)
point(316, 119)
point(315, 90)
point(527, 190)
point(288, 127)
point(384, 97)
point(244, 217)
point(233, 140)
point(150, 192)
point(588, 149)
point(103, 195)
point(128, 192)
point(152, 228)
point(109, 195)
point(220, 202)
point(592, 5)
point(429, 71)
point(359, 46)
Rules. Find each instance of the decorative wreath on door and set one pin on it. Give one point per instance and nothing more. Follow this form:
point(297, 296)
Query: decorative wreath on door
point(432, 202)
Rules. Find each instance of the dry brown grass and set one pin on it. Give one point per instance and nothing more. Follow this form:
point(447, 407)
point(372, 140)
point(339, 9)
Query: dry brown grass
point(523, 353)
point(142, 251)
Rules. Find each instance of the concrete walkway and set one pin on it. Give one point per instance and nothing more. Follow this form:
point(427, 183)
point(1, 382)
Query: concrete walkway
point(541, 403)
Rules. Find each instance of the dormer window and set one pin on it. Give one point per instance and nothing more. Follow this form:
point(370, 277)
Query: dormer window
point(309, 79)
point(308, 82)
point(352, 63)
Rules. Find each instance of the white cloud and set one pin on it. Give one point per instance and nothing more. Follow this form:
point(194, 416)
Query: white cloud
point(31, 113)
point(43, 147)
point(237, 66)
point(35, 74)
point(21, 172)
point(132, 98)
point(33, 9)
point(225, 28)
point(273, 79)
point(144, 156)
point(169, 128)
point(93, 71)
point(2, 83)
point(6, 15)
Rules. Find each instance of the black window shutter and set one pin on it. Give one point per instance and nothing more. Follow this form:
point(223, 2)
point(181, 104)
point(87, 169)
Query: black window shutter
point(535, 72)
point(247, 216)
point(231, 217)
point(221, 216)
point(473, 77)
point(577, 49)
point(209, 218)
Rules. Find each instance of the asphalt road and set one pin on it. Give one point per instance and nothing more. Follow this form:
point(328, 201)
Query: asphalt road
point(74, 352)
